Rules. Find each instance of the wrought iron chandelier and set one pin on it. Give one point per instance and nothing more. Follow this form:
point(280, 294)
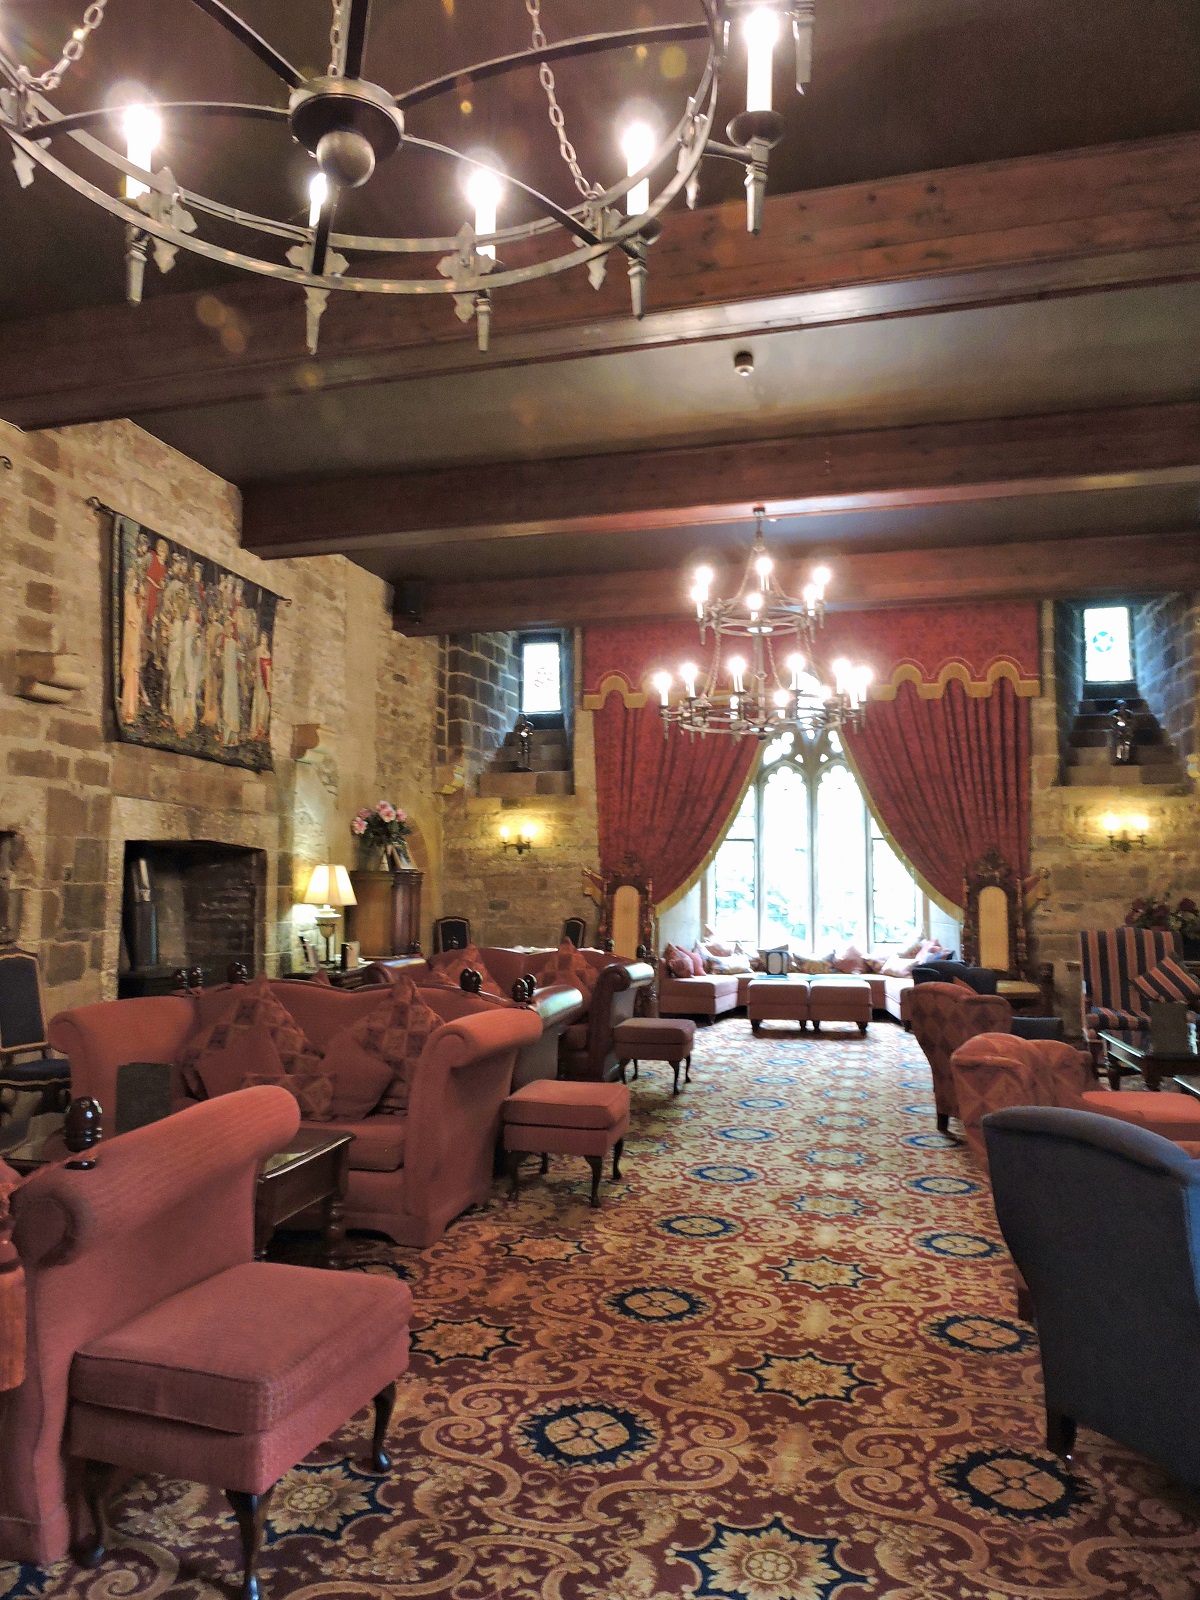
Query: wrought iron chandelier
point(767, 683)
point(350, 124)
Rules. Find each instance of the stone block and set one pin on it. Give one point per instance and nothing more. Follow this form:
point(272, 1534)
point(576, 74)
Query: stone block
point(93, 771)
point(36, 764)
point(83, 907)
point(41, 523)
point(79, 735)
point(90, 861)
point(36, 486)
point(40, 596)
point(64, 963)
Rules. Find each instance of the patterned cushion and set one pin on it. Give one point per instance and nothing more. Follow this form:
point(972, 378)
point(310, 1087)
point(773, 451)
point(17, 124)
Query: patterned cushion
point(995, 1070)
point(253, 1006)
point(1168, 981)
point(1107, 1017)
point(359, 1078)
point(567, 966)
point(697, 956)
point(224, 1058)
point(395, 1033)
point(943, 1017)
point(451, 970)
point(679, 963)
point(312, 1091)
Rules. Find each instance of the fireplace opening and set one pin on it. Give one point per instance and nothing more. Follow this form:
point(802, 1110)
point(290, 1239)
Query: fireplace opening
point(189, 903)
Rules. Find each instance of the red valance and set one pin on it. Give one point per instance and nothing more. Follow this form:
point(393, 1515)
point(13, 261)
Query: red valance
point(976, 645)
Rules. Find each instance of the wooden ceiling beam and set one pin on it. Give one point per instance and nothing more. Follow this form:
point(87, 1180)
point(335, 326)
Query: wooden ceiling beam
point(1064, 223)
point(931, 464)
point(1080, 568)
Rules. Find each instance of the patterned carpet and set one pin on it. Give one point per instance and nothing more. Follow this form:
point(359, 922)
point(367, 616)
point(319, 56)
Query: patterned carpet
point(780, 1363)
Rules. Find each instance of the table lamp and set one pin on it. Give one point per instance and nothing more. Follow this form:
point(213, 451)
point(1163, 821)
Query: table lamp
point(329, 888)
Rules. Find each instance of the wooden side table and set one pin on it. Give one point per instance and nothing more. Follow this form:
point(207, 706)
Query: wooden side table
point(312, 1171)
point(386, 921)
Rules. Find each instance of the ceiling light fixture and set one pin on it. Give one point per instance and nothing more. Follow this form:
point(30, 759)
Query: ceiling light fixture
point(772, 686)
point(351, 124)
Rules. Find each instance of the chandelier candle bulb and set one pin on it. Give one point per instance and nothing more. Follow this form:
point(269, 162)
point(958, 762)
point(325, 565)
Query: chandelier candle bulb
point(737, 668)
point(143, 134)
point(761, 29)
point(318, 193)
point(662, 683)
point(689, 672)
point(638, 144)
point(763, 567)
point(795, 667)
point(820, 580)
point(484, 190)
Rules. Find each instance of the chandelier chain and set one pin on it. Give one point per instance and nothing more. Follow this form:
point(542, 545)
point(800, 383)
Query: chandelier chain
point(337, 37)
point(557, 120)
point(71, 51)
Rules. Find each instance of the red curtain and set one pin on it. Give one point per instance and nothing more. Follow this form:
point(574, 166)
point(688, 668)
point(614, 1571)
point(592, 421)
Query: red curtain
point(662, 802)
point(949, 778)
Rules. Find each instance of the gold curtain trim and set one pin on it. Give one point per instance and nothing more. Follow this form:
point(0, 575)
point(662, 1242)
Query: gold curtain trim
point(615, 683)
point(957, 672)
point(686, 888)
point(908, 672)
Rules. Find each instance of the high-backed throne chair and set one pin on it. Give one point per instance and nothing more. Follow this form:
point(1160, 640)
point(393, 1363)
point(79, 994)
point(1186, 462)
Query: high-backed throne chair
point(993, 933)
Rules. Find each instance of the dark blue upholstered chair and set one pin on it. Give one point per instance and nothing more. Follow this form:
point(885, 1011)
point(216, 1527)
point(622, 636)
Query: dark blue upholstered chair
point(1103, 1221)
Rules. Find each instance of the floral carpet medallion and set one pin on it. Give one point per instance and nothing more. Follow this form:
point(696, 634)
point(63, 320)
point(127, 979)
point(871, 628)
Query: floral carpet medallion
point(765, 1369)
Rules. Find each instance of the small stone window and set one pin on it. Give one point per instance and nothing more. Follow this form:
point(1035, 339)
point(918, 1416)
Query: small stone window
point(1107, 650)
point(541, 676)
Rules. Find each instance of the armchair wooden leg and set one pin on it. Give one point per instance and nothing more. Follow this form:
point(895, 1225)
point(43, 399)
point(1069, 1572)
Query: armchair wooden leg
point(675, 1070)
point(755, 1027)
point(943, 1122)
point(251, 1513)
point(687, 1069)
point(545, 1167)
point(385, 1403)
point(98, 1479)
point(597, 1167)
point(514, 1173)
point(618, 1151)
point(1060, 1433)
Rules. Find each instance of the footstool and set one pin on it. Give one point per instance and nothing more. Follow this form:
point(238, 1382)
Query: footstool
point(839, 1000)
point(783, 999)
point(666, 1039)
point(549, 1117)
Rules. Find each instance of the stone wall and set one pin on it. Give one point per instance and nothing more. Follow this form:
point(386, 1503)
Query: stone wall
point(1068, 674)
point(478, 698)
point(1088, 883)
point(73, 795)
point(1166, 644)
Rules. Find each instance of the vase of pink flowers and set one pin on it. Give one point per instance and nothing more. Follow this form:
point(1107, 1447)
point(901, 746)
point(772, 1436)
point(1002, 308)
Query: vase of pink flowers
point(382, 832)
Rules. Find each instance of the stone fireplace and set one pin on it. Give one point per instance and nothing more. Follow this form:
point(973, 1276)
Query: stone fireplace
point(189, 903)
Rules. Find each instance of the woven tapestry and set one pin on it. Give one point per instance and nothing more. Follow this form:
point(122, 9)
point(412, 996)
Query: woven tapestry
point(193, 647)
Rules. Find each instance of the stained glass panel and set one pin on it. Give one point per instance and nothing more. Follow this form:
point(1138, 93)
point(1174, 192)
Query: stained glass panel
point(541, 677)
point(1107, 657)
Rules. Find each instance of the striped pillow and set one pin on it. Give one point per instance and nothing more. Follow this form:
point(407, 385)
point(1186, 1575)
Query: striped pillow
point(1169, 981)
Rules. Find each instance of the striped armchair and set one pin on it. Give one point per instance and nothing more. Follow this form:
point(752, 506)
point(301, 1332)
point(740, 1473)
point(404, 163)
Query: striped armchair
point(1111, 958)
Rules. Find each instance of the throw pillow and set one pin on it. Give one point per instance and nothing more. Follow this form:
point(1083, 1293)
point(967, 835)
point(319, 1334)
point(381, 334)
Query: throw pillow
point(872, 963)
point(225, 1056)
point(358, 1078)
point(717, 948)
point(1169, 981)
point(394, 1034)
point(258, 1007)
point(567, 966)
point(814, 966)
point(849, 959)
point(729, 964)
point(910, 949)
point(697, 956)
point(312, 1091)
point(451, 970)
point(679, 963)
point(898, 966)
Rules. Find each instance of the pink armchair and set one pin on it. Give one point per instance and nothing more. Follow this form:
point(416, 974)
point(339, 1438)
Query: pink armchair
point(156, 1343)
point(996, 1070)
point(944, 1016)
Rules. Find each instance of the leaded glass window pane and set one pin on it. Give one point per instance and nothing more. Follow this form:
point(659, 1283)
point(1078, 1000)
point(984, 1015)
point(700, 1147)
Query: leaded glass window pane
point(785, 859)
point(841, 860)
point(1107, 657)
point(541, 677)
point(735, 905)
point(895, 904)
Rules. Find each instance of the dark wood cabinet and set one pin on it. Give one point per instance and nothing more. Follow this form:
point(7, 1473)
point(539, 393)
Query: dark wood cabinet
point(387, 919)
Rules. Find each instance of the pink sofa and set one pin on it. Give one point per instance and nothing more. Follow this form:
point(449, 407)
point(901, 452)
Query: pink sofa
point(711, 996)
point(411, 1175)
point(155, 1341)
point(558, 1006)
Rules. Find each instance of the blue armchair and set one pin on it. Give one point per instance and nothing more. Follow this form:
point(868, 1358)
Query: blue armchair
point(1103, 1221)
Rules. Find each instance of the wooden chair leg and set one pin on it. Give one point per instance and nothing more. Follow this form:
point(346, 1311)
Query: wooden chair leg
point(1060, 1434)
point(621, 1065)
point(545, 1167)
point(98, 1477)
point(675, 1070)
point(862, 1028)
point(385, 1404)
point(943, 1122)
point(618, 1151)
point(687, 1069)
point(597, 1166)
point(514, 1174)
point(251, 1513)
point(755, 1027)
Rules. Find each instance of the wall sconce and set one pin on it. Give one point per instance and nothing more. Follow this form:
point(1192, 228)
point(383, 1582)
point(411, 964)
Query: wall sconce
point(1124, 832)
point(525, 836)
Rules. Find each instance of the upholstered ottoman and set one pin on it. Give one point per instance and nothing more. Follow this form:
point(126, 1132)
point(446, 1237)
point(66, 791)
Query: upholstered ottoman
point(549, 1117)
point(1174, 1115)
point(777, 1000)
point(839, 1000)
point(666, 1039)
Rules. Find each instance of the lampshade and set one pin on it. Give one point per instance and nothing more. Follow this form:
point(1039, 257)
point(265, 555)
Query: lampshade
point(329, 886)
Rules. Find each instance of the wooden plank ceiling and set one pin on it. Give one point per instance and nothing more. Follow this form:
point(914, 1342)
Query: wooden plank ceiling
point(983, 379)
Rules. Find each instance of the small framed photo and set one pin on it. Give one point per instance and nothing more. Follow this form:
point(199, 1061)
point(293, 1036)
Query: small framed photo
point(310, 955)
point(351, 957)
